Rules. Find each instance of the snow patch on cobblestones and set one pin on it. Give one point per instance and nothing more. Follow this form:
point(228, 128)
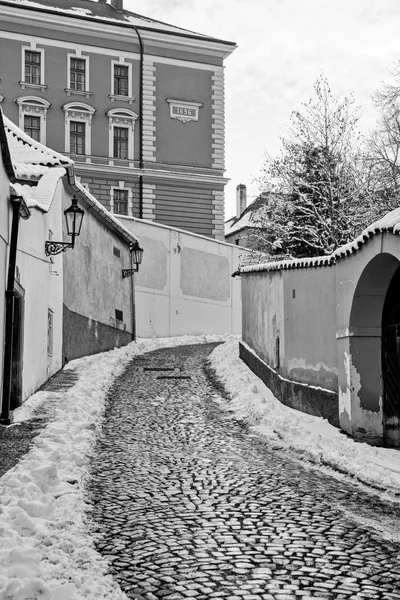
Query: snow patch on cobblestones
point(312, 436)
point(45, 552)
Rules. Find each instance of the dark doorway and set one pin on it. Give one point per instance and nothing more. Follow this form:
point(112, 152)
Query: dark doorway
point(391, 362)
point(16, 366)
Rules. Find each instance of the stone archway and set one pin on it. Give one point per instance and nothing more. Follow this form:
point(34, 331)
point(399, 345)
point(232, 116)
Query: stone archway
point(364, 361)
point(391, 363)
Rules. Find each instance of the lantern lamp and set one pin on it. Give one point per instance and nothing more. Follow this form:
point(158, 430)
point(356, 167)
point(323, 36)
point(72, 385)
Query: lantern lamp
point(74, 217)
point(136, 259)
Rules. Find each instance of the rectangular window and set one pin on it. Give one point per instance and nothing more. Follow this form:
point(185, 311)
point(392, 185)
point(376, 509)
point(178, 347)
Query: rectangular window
point(121, 202)
point(119, 315)
point(50, 319)
point(121, 79)
point(78, 74)
point(32, 127)
point(77, 137)
point(121, 142)
point(32, 67)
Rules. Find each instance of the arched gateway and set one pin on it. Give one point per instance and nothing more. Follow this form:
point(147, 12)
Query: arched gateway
point(391, 362)
point(371, 394)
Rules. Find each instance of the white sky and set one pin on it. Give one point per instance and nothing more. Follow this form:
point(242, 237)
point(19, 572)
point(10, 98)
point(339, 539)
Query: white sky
point(283, 45)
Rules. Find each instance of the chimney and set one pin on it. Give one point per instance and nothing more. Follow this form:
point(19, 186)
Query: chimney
point(241, 199)
point(118, 5)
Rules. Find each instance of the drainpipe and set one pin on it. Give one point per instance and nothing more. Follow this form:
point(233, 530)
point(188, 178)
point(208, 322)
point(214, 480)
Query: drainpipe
point(133, 307)
point(17, 203)
point(140, 121)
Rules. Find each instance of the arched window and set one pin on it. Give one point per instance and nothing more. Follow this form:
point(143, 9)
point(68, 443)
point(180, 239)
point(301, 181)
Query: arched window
point(78, 122)
point(121, 133)
point(33, 116)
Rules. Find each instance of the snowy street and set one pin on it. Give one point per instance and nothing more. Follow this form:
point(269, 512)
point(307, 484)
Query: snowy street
point(149, 481)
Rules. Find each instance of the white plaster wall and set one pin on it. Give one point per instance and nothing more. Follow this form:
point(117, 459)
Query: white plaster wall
point(184, 285)
point(263, 314)
point(5, 215)
point(41, 281)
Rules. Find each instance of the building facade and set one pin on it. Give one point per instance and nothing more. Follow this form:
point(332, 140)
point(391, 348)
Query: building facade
point(137, 104)
point(54, 307)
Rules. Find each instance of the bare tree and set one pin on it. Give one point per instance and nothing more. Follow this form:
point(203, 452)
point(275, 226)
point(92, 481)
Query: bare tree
point(383, 145)
point(318, 193)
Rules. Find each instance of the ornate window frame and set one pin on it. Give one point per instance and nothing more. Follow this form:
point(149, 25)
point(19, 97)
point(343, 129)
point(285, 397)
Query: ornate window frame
point(121, 117)
point(34, 107)
point(79, 111)
point(68, 90)
point(116, 97)
point(24, 84)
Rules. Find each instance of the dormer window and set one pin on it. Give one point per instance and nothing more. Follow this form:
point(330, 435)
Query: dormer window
point(78, 122)
point(121, 133)
point(33, 116)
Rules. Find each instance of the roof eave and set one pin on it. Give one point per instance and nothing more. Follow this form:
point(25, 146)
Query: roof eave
point(229, 46)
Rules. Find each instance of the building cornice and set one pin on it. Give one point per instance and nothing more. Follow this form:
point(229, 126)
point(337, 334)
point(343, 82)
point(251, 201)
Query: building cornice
point(151, 173)
point(122, 31)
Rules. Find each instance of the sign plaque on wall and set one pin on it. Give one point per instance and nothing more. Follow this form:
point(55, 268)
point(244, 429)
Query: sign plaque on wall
point(184, 110)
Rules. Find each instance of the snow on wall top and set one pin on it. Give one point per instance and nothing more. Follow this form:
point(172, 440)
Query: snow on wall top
point(390, 223)
point(101, 11)
point(30, 158)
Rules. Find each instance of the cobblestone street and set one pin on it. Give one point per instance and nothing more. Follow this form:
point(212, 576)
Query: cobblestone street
point(187, 502)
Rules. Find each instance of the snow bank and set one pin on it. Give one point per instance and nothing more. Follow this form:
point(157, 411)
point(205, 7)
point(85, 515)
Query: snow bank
point(45, 552)
point(311, 436)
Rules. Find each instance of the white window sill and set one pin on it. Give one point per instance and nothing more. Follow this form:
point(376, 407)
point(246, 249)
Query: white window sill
point(118, 98)
point(71, 92)
point(34, 86)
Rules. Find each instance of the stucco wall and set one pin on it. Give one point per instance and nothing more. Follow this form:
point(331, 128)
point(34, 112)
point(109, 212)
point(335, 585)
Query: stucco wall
point(362, 283)
point(309, 352)
point(184, 285)
point(177, 142)
point(289, 322)
point(262, 300)
point(94, 288)
point(41, 284)
point(5, 215)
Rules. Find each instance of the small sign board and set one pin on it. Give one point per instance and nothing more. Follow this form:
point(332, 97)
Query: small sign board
point(184, 110)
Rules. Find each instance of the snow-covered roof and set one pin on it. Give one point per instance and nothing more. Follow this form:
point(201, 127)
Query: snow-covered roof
point(390, 223)
point(5, 150)
point(102, 11)
point(30, 159)
point(41, 196)
point(248, 218)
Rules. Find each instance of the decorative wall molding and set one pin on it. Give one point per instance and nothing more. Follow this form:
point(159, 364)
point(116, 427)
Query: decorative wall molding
point(121, 117)
point(184, 110)
point(36, 107)
point(149, 197)
point(78, 111)
point(218, 121)
point(149, 110)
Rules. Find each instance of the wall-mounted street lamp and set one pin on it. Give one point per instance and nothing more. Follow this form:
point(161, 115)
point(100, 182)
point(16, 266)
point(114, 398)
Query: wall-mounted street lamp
point(136, 258)
point(73, 216)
